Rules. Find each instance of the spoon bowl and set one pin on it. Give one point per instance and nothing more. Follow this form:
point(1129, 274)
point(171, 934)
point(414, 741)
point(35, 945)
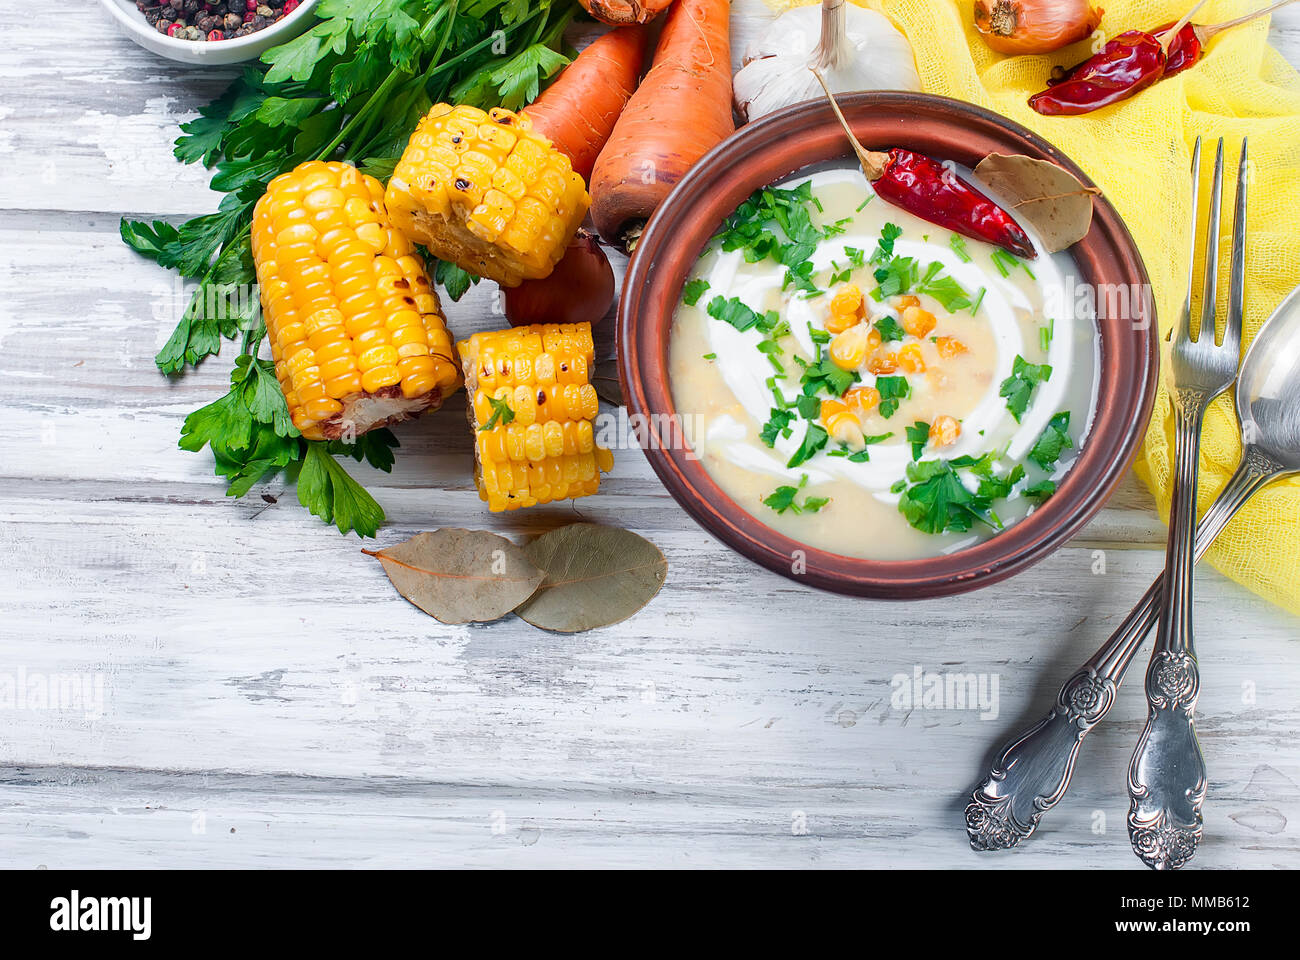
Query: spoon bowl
point(1268, 389)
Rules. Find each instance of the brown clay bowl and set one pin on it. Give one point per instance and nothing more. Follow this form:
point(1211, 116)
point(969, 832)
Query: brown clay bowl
point(807, 135)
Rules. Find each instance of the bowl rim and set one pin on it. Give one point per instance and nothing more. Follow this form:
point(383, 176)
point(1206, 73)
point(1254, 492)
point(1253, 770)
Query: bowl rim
point(1103, 460)
point(121, 11)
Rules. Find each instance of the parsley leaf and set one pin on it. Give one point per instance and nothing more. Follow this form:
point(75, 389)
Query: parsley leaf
point(783, 498)
point(693, 290)
point(919, 436)
point(454, 280)
point(813, 440)
point(501, 413)
point(519, 81)
point(1019, 387)
point(825, 375)
point(329, 492)
point(778, 423)
point(734, 312)
point(890, 329)
point(892, 390)
point(1052, 441)
point(934, 499)
point(1041, 490)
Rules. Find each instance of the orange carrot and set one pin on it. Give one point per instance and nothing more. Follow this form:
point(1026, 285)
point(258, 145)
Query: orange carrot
point(577, 112)
point(681, 111)
point(625, 11)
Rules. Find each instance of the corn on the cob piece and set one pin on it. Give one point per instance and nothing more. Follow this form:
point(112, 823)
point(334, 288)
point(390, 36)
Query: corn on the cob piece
point(531, 408)
point(356, 331)
point(483, 191)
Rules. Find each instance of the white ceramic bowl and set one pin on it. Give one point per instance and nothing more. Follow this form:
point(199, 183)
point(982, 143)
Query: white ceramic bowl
point(235, 50)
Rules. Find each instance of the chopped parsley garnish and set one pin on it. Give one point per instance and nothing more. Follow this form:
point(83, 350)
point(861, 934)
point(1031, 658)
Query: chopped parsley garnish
point(919, 436)
point(783, 499)
point(1052, 441)
point(813, 440)
point(890, 329)
point(693, 290)
point(501, 413)
point(858, 258)
point(958, 244)
point(740, 316)
point(897, 275)
point(885, 246)
point(1005, 262)
point(944, 289)
point(935, 500)
point(892, 390)
point(1019, 387)
point(1041, 490)
point(808, 406)
point(778, 423)
point(825, 375)
point(710, 356)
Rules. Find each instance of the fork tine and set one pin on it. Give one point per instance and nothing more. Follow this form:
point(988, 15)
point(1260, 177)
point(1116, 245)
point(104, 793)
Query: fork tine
point(1210, 288)
point(1237, 287)
point(1179, 330)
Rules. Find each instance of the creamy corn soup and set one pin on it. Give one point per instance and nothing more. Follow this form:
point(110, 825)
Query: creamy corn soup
point(870, 384)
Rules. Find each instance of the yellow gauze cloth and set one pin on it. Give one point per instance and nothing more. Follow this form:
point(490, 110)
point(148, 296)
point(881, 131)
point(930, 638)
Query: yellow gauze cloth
point(1139, 153)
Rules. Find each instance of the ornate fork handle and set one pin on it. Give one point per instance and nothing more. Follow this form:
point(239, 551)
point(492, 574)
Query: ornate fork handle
point(1032, 772)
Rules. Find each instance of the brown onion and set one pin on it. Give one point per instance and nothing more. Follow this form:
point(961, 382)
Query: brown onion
point(1034, 26)
point(579, 289)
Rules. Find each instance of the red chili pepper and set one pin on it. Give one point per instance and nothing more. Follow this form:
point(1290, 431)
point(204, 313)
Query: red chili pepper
point(1185, 50)
point(1131, 62)
point(923, 186)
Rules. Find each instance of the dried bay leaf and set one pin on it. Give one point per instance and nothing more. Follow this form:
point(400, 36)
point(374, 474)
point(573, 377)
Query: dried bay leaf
point(459, 576)
point(1051, 200)
point(595, 576)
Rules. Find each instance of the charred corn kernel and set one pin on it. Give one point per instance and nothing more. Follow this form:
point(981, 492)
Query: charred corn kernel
point(483, 191)
point(839, 322)
point(910, 358)
point(848, 301)
point(944, 431)
point(883, 361)
point(918, 321)
point(841, 422)
point(907, 300)
point(351, 353)
point(849, 349)
point(532, 409)
point(949, 347)
point(862, 400)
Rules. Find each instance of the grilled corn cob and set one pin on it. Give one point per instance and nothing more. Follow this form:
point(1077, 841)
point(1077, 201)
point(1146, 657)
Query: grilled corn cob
point(531, 408)
point(483, 191)
point(356, 332)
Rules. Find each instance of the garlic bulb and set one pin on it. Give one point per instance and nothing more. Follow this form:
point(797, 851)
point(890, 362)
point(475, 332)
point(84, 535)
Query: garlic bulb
point(854, 48)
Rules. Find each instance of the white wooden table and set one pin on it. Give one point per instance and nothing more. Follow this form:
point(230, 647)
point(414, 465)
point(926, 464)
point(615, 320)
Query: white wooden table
point(268, 700)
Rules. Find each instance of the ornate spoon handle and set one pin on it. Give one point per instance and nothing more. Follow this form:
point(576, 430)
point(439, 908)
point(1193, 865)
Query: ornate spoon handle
point(1167, 777)
point(1032, 772)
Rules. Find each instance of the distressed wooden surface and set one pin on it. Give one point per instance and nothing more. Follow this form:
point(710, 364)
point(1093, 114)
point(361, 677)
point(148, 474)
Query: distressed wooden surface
point(265, 699)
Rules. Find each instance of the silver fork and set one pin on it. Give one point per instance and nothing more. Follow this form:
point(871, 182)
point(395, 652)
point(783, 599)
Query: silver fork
point(1166, 778)
point(1031, 773)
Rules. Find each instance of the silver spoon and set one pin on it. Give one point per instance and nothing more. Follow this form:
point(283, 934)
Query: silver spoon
point(1031, 774)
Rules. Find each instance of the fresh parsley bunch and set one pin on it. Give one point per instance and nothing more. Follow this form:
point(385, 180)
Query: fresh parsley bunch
point(350, 88)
